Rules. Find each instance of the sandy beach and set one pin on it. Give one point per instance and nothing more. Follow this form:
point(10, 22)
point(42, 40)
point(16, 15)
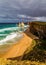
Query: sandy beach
point(19, 48)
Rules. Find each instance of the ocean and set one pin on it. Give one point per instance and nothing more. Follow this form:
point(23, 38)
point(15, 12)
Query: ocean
point(10, 31)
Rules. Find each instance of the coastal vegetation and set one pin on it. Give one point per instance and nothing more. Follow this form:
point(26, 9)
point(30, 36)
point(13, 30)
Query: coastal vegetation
point(38, 53)
point(15, 62)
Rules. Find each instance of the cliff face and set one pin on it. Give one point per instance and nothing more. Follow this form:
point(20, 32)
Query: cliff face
point(38, 29)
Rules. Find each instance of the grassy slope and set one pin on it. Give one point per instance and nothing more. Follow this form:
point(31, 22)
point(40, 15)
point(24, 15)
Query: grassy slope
point(38, 53)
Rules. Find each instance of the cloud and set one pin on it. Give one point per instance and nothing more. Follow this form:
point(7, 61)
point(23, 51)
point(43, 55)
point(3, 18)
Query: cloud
point(40, 18)
point(23, 16)
point(12, 8)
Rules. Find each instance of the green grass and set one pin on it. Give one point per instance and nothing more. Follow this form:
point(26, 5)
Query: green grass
point(41, 44)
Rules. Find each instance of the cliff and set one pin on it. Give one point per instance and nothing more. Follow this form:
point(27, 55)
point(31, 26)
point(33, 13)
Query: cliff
point(38, 29)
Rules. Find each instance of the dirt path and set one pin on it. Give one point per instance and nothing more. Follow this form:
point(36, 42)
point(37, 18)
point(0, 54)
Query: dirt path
point(19, 48)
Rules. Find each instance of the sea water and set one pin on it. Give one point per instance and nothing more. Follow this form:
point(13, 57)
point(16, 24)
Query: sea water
point(10, 32)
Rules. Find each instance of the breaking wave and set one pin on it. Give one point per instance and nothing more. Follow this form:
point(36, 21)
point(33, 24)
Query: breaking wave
point(10, 34)
point(10, 37)
point(11, 28)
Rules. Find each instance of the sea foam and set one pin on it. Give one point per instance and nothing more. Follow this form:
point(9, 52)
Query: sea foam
point(10, 37)
point(10, 28)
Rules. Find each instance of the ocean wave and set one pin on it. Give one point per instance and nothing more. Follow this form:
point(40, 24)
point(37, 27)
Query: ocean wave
point(3, 34)
point(10, 28)
point(8, 34)
point(10, 37)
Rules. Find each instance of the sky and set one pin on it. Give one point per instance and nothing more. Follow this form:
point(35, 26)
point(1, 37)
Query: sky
point(22, 8)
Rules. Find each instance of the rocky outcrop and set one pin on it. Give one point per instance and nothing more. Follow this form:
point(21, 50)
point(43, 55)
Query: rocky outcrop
point(38, 29)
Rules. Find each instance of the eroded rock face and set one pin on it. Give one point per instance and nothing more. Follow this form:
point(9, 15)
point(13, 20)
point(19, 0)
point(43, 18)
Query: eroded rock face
point(38, 29)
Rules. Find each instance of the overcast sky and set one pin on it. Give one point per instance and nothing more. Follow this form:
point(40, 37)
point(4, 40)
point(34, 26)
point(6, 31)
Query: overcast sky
point(12, 8)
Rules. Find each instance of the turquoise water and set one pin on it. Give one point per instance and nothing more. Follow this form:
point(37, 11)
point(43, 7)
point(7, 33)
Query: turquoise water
point(6, 29)
point(10, 31)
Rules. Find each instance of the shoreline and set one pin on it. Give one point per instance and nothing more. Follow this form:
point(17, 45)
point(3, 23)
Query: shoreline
point(22, 43)
point(18, 48)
